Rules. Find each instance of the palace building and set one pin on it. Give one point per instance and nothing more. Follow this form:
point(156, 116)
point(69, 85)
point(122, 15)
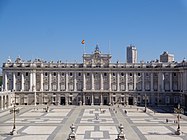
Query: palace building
point(95, 81)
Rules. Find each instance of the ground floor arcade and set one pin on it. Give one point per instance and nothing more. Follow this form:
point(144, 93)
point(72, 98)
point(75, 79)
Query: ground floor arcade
point(92, 98)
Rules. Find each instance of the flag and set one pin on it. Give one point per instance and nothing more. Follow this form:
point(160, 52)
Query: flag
point(83, 42)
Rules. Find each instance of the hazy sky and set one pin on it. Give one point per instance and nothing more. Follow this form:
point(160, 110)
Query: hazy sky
point(54, 29)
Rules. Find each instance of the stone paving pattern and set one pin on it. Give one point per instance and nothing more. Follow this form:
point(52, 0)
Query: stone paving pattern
point(91, 123)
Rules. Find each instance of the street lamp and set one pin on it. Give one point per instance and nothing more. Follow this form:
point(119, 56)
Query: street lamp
point(14, 111)
point(159, 90)
point(72, 135)
point(145, 103)
point(34, 89)
point(178, 110)
point(121, 135)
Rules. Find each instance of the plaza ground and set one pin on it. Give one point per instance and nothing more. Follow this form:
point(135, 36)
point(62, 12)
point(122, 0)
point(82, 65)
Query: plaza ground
point(91, 123)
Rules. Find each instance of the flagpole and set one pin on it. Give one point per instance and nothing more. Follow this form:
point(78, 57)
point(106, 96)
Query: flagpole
point(84, 46)
point(109, 49)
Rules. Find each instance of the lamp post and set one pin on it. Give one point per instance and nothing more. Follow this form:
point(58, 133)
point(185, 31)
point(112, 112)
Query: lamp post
point(14, 111)
point(34, 89)
point(145, 103)
point(158, 98)
point(178, 110)
point(72, 135)
point(121, 135)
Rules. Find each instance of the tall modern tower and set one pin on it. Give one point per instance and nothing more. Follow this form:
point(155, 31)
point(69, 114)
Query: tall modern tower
point(131, 54)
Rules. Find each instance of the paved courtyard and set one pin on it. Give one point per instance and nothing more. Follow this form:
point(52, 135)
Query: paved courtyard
point(91, 123)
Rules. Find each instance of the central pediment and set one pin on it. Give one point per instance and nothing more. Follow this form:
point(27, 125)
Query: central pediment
point(97, 58)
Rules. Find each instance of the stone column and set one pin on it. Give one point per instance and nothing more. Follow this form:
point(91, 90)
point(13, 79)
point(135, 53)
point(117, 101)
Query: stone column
point(92, 100)
point(5, 82)
point(34, 79)
point(109, 81)
point(151, 81)
point(143, 81)
point(185, 80)
point(110, 99)
point(159, 82)
point(35, 98)
point(66, 99)
point(170, 84)
point(58, 86)
point(101, 99)
point(9, 100)
point(118, 81)
point(49, 81)
point(66, 81)
point(1, 102)
point(30, 82)
point(22, 82)
point(83, 98)
point(14, 82)
point(101, 81)
point(75, 82)
point(93, 81)
point(162, 81)
point(181, 81)
point(41, 81)
point(84, 81)
point(5, 102)
point(134, 81)
point(126, 81)
point(127, 99)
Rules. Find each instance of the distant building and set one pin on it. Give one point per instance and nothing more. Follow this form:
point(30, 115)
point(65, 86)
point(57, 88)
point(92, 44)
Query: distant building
point(165, 57)
point(131, 54)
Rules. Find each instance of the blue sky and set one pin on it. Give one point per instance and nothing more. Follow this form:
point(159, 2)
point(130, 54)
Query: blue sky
point(54, 29)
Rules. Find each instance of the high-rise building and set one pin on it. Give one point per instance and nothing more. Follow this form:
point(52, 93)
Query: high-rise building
point(131, 54)
point(166, 57)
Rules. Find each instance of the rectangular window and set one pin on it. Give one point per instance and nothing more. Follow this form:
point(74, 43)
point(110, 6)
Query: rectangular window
point(79, 86)
point(122, 87)
point(54, 87)
point(62, 87)
point(167, 99)
point(138, 99)
point(175, 99)
point(45, 87)
point(113, 87)
point(70, 87)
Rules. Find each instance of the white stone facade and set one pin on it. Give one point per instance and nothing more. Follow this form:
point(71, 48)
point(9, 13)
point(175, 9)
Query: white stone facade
point(96, 81)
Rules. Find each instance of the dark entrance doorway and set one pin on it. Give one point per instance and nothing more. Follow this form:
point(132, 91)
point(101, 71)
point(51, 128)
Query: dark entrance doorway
point(105, 101)
point(130, 100)
point(62, 101)
point(96, 100)
point(88, 100)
